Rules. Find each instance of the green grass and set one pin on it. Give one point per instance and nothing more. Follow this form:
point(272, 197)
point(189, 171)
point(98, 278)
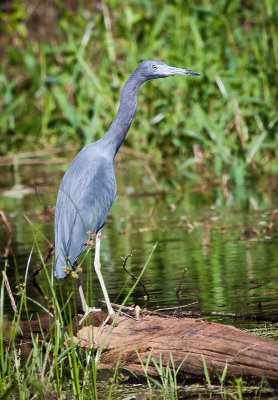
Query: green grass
point(61, 86)
point(60, 79)
point(168, 376)
point(55, 366)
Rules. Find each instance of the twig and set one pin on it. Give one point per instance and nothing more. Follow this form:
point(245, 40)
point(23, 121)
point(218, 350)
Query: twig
point(231, 315)
point(29, 157)
point(126, 308)
point(178, 291)
point(152, 176)
point(10, 230)
point(133, 309)
point(134, 277)
point(196, 313)
point(37, 161)
point(50, 251)
point(7, 284)
point(138, 154)
point(37, 194)
point(47, 209)
point(176, 307)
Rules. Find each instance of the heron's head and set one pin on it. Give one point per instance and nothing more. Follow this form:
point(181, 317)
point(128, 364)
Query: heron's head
point(152, 69)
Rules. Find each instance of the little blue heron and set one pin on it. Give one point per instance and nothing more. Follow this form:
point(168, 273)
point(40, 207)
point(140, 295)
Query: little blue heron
point(88, 188)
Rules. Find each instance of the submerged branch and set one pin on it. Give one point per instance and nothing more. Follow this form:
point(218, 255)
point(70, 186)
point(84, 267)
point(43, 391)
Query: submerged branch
point(50, 252)
point(179, 313)
point(255, 317)
point(134, 277)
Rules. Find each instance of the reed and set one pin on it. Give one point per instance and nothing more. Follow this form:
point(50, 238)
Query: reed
point(63, 87)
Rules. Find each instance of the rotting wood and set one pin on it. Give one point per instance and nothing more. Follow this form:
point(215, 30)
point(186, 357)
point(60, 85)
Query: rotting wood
point(247, 355)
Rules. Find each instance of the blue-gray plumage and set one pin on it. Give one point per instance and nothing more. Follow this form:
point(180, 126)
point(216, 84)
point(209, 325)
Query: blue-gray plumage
point(88, 188)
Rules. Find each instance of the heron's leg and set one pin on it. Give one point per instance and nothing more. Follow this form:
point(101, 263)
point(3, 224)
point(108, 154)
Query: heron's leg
point(97, 266)
point(86, 309)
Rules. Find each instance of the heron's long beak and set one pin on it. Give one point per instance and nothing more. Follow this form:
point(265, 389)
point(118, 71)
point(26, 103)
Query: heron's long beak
point(165, 69)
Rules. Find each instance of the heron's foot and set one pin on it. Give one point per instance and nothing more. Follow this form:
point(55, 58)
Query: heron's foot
point(110, 318)
point(111, 311)
point(88, 311)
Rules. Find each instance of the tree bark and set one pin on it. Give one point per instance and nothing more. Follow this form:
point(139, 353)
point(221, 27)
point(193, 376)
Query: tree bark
point(247, 355)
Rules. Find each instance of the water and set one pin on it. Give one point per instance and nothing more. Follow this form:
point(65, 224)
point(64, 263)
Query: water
point(215, 258)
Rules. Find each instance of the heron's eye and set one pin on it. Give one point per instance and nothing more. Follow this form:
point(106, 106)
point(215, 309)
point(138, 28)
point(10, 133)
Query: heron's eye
point(154, 67)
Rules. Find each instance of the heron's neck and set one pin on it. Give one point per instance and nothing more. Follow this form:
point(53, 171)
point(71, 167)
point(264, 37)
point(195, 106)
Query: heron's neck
point(115, 135)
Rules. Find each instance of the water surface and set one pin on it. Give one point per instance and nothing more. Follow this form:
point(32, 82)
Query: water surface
point(210, 255)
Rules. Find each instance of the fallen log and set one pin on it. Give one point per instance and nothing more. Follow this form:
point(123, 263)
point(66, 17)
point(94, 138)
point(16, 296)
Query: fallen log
point(246, 355)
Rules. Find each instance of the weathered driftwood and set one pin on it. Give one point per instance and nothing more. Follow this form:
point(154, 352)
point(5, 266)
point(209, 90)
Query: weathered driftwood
point(247, 355)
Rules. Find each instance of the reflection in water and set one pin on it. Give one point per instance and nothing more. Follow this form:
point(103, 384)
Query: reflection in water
point(219, 258)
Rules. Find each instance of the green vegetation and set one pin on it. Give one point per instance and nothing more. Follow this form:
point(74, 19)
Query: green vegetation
point(168, 376)
point(61, 73)
point(52, 364)
point(63, 68)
